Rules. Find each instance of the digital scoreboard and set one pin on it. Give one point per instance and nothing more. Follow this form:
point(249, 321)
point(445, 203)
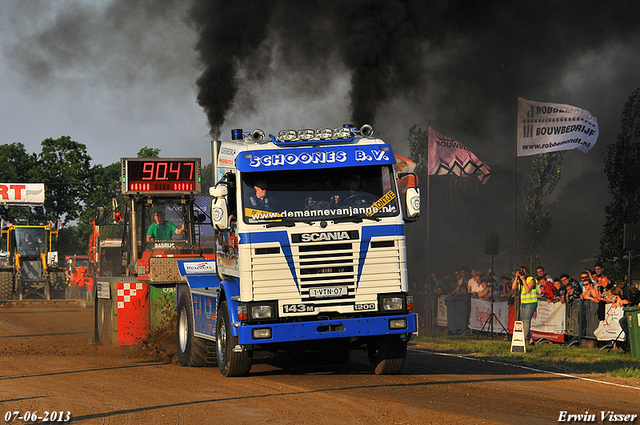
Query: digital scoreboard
point(164, 176)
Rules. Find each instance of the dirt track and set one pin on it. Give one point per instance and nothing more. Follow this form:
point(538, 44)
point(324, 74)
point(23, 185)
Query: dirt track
point(48, 364)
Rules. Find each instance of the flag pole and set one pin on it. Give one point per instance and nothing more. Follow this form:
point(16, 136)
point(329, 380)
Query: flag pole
point(428, 209)
point(515, 215)
point(429, 224)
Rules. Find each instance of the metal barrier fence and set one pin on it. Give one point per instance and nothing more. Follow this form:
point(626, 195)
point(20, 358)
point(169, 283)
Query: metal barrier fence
point(583, 319)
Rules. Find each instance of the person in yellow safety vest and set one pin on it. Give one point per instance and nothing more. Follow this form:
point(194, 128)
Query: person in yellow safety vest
point(528, 290)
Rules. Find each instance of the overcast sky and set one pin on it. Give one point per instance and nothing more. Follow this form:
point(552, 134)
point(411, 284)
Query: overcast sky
point(120, 75)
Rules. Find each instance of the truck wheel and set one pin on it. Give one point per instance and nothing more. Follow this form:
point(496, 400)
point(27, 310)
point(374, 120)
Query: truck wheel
point(192, 351)
point(6, 285)
point(57, 285)
point(387, 354)
point(230, 362)
point(104, 325)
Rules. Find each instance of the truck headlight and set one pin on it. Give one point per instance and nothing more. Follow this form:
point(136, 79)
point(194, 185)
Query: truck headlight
point(392, 303)
point(261, 312)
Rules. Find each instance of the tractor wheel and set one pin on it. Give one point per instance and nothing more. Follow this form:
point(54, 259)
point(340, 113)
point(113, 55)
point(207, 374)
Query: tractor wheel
point(192, 351)
point(230, 361)
point(57, 285)
point(387, 354)
point(6, 285)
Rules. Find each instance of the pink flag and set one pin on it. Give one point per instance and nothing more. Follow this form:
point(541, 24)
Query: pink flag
point(446, 156)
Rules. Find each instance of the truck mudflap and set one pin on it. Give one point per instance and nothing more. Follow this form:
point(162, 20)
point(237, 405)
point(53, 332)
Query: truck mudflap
point(326, 329)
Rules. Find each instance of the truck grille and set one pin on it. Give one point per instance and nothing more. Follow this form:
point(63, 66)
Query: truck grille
point(328, 266)
point(330, 275)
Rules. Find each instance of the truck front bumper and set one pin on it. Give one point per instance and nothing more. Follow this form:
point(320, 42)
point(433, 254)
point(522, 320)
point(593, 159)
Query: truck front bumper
point(326, 329)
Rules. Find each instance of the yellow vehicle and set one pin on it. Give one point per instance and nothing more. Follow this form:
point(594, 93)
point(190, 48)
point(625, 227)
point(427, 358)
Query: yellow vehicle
point(28, 267)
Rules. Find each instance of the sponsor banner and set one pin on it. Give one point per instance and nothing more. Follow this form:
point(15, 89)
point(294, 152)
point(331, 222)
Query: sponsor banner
point(480, 312)
point(548, 321)
point(110, 243)
point(226, 156)
point(549, 127)
point(609, 328)
point(200, 267)
point(22, 193)
point(314, 158)
point(446, 156)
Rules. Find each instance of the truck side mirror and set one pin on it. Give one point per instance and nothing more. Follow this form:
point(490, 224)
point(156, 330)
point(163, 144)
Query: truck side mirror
point(219, 208)
point(412, 204)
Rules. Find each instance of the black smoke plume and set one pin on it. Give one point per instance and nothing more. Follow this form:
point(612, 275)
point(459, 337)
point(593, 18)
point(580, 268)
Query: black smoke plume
point(229, 34)
point(379, 41)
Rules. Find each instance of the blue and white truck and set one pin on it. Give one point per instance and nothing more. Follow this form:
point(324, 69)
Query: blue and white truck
point(310, 252)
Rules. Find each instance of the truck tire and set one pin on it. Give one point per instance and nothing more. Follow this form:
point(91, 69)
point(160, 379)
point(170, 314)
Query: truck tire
point(230, 362)
point(192, 351)
point(387, 354)
point(104, 321)
point(57, 285)
point(6, 285)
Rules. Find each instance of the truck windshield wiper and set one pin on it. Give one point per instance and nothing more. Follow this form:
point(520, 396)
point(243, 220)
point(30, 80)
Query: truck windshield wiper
point(354, 219)
point(347, 220)
point(281, 224)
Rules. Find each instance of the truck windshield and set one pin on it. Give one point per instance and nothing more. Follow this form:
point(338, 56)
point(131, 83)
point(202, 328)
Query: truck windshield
point(325, 194)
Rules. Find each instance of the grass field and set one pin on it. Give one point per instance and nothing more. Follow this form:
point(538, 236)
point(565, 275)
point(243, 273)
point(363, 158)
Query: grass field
point(549, 356)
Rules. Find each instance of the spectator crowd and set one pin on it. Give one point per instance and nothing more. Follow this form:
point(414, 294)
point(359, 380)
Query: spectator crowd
point(592, 285)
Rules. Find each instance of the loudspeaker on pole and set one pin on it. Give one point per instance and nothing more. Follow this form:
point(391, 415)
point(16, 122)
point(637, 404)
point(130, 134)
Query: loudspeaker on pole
point(631, 237)
point(491, 243)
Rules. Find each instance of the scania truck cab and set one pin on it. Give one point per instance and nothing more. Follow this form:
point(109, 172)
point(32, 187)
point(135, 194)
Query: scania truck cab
point(310, 252)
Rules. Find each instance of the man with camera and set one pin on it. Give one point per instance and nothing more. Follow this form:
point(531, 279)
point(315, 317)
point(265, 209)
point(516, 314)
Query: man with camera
point(526, 286)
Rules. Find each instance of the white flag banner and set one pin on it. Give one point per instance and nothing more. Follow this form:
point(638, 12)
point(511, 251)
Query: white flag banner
point(550, 127)
point(22, 193)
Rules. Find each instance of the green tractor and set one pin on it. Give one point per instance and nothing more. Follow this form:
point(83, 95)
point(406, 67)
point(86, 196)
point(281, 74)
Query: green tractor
point(28, 267)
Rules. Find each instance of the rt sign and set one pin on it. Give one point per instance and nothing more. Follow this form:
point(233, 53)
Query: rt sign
point(22, 193)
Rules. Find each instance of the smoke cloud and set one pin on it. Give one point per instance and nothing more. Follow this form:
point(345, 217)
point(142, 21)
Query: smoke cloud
point(141, 65)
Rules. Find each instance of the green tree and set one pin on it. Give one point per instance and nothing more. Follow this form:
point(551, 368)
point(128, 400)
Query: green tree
point(621, 167)
point(148, 152)
point(545, 175)
point(207, 179)
point(64, 167)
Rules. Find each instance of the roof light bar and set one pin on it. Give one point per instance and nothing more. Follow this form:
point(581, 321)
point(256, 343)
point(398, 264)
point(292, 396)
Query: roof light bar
point(308, 135)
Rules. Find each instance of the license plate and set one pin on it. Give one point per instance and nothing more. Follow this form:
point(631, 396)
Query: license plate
point(337, 291)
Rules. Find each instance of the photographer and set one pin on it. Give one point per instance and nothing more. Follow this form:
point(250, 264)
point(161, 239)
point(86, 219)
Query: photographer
point(525, 285)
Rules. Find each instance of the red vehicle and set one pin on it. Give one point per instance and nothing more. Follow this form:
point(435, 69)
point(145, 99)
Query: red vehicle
point(79, 281)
